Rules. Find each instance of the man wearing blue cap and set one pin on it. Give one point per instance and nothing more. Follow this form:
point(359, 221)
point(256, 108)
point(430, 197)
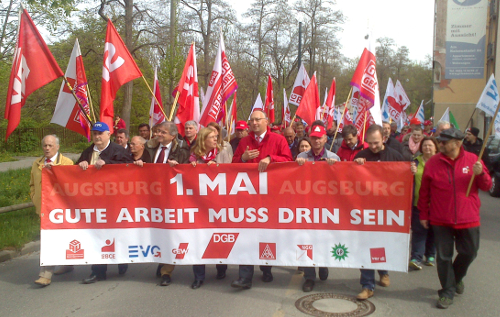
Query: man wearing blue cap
point(101, 152)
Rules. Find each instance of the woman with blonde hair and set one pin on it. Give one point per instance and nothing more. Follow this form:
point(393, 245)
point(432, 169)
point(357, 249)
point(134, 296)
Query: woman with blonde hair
point(205, 151)
point(225, 154)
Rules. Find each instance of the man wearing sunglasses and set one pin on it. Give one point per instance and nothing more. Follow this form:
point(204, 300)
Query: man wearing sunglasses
point(453, 216)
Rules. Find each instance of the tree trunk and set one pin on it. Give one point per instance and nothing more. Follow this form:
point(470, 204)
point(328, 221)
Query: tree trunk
point(128, 87)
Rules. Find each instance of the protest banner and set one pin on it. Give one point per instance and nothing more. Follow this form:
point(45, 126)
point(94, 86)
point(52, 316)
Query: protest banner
point(344, 215)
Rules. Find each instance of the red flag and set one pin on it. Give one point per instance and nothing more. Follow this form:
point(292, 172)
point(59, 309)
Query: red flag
point(365, 79)
point(269, 104)
point(309, 103)
point(33, 67)
point(330, 104)
point(221, 86)
point(68, 113)
point(189, 98)
point(118, 69)
point(155, 111)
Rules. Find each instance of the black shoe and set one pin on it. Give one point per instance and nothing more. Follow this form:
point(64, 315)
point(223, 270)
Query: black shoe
point(308, 286)
point(196, 284)
point(158, 270)
point(242, 283)
point(221, 275)
point(122, 269)
point(165, 280)
point(93, 278)
point(460, 288)
point(323, 273)
point(267, 277)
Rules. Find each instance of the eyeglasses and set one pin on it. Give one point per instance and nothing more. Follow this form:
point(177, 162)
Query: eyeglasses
point(256, 119)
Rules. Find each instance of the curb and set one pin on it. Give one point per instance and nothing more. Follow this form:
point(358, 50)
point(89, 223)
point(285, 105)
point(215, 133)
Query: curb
point(29, 247)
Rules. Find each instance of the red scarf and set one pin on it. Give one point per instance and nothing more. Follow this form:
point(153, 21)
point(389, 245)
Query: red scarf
point(210, 156)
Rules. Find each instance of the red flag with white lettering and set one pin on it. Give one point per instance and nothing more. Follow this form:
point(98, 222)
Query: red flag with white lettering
point(155, 110)
point(68, 113)
point(118, 69)
point(269, 104)
point(189, 98)
point(33, 67)
point(310, 102)
point(365, 79)
point(221, 86)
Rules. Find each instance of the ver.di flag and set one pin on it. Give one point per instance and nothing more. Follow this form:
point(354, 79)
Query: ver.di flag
point(33, 66)
point(299, 86)
point(68, 113)
point(488, 102)
point(118, 69)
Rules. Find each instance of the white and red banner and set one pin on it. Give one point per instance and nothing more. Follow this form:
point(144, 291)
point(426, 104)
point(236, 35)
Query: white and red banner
point(155, 111)
point(286, 114)
point(68, 113)
point(221, 86)
point(118, 69)
point(189, 99)
point(299, 86)
point(344, 215)
point(33, 66)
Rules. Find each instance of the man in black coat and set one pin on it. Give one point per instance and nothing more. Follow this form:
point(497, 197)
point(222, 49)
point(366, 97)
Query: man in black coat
point(377, 151)
point(474, 144)
point(101, 152)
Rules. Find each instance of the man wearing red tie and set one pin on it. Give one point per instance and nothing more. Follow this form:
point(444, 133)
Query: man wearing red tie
point(263, 147)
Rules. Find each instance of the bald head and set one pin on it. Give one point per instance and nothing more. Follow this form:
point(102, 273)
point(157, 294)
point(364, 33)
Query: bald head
point(289, 135)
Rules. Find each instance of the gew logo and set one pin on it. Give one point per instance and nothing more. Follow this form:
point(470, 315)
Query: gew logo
point(466, 2)
point(134, 251)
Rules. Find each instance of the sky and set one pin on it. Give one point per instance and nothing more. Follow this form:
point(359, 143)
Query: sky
point(409, 22)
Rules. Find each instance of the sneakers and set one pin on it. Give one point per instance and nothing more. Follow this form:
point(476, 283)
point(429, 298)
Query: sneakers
point(365, 294)
point(430, 261)
point(43, 281)
point(460, 287)
point(444, 302)
point(415, 265)
point(384, 280)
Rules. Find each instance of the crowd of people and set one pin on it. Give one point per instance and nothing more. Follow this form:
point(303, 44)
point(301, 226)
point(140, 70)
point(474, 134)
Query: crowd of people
point(443, 216)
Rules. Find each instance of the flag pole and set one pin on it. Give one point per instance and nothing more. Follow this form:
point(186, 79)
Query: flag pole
point(227, 121)
point(470, 119)
point(92, 111)
point(341, 118)
point(151, 91)
point(77, 100)
point(174, 105)
point(492, 123)
point(364, 125)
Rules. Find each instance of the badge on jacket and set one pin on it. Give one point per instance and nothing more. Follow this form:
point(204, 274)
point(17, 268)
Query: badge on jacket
point(466, 170)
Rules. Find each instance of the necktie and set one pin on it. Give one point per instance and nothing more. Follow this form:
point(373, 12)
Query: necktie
point(161, 157)
point(48, 161)
point(259, 139)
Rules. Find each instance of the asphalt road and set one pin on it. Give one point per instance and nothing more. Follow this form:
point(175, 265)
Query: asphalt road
point(137, 293)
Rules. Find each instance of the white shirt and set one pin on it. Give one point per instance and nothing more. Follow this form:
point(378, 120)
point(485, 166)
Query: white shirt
point(53, 158)
point(167, 152)
point(97, 150)
point(261, 136)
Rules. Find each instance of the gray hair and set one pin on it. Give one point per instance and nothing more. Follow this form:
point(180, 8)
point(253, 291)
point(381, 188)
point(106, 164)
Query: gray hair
point(192, 123)
point(141, 139)
point(170, 126)
point(52, 135)
point(442, 122)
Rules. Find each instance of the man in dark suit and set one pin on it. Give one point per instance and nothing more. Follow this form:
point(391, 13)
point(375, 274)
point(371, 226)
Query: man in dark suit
point(168, 151)
point(101, 152)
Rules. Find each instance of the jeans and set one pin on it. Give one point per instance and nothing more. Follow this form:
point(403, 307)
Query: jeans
point(367, 279)
point(422, 240)
point(451, 272)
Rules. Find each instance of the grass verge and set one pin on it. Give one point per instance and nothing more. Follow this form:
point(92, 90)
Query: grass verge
point(20, 226)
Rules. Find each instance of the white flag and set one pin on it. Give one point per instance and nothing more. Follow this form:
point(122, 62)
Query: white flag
point(299, 86)
point(488, 102)
point(258, 105)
